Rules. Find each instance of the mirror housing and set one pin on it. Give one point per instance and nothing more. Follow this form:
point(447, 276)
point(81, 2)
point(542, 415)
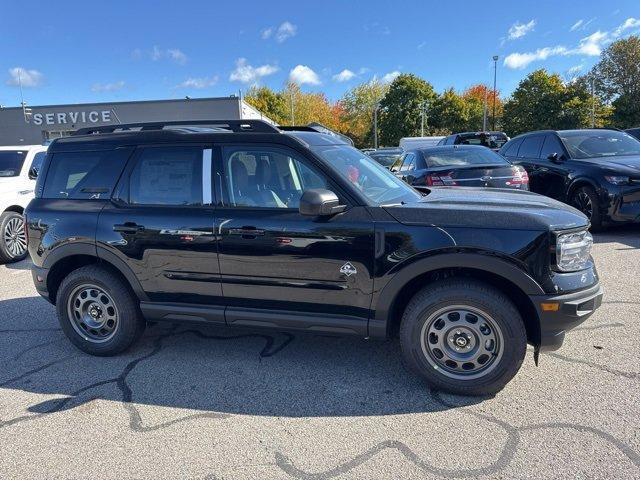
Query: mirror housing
point(318, 202)
point(33, 173)
point(555, 157)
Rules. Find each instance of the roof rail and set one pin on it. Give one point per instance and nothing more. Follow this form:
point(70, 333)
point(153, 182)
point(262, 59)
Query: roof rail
point(318, 128)
point(236, 126)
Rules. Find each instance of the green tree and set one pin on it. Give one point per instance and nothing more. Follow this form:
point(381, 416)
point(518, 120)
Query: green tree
point(617, 79)
point(269, 103)
point(358, 105)
point(450, 112)
point(402, 108)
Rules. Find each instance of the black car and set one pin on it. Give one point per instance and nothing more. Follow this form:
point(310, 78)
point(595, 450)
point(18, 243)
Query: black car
point(459, 166)
point(634, 132)
point(492, 140)
point(596, 171)
point(386, 156)
point(241, 224)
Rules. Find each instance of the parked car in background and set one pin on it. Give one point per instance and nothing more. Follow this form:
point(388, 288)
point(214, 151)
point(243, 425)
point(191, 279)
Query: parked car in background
point(634, 132)
point(596, 171)
point(386, 156)
point(410, 143)
point(19, 168)
point(461, 166)
point(492, 140)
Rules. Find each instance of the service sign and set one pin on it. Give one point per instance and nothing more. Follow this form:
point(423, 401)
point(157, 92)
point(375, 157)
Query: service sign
point(71, 118)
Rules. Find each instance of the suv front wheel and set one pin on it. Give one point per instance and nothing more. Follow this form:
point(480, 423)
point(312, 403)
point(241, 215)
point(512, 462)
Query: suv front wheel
point(98, 312)
point(463, 336)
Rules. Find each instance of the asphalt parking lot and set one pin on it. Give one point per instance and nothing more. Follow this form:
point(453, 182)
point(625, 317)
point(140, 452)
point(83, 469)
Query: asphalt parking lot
point(204, 403)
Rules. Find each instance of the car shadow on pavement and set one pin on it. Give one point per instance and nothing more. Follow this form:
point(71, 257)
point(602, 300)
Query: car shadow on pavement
point(628, 235)
point(217, 371)
point(21, 265)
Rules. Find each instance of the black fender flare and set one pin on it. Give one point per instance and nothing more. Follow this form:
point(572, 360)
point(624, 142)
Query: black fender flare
point(100, 254)
point(488, 263)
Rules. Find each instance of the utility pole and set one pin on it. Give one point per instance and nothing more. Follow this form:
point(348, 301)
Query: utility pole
point(423, 115)
point(495, 72)
point(375, 125)
point(593, 102)
point(26, 111)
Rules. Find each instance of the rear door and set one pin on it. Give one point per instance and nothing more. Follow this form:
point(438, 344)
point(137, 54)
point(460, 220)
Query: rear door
point(281, 268)
point(554, 176)
point(160, 224)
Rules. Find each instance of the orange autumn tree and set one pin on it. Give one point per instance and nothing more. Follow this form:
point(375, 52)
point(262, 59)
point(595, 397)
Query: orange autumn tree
point(475, 96)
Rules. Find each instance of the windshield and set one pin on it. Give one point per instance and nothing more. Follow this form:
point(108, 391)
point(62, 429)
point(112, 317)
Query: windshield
point(462, 157)
point(491, 140)
point(11, 162)
point(376, 182)
point(597, 144)
point(385, 159)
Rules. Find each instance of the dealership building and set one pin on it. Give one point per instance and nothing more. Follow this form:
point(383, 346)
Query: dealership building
point(44, 123)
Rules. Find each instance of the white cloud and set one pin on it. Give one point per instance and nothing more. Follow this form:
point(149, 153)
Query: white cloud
point(591, 45)
point(283, 32)
point(245, 73)
point(302, 74)
point(421, 45)
point(390, 77)
point(28, 78)
point(198, 82)
point(519, 30)
point(576, 25)
point(156, 53)
point(177, 56)
point(344, 76)
point(107, 87)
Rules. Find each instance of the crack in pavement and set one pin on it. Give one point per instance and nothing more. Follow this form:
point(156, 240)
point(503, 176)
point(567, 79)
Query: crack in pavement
point(135, 419)
point(604, 368)
point(504, 459)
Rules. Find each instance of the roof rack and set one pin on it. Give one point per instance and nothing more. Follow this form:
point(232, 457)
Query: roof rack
point(236, 126)
point(316, 127)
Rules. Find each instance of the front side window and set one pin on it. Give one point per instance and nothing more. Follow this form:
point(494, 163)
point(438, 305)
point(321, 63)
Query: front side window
point(11, 162)
point(530, 147)
point(268, 177)
point(167, 176)
point(377, 183)
point(551, 145)
point(597, 144)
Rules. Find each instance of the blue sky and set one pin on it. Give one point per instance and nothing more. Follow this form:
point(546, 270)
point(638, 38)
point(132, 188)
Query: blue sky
point(72, 52)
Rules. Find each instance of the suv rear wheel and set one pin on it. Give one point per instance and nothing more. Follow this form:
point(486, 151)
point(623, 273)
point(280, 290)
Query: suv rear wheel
point(13, 239)
point(463, 337)
point(98, 312)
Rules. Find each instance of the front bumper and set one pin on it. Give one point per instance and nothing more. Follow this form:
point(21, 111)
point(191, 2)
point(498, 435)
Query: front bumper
point(572, 310)
point(622, 204)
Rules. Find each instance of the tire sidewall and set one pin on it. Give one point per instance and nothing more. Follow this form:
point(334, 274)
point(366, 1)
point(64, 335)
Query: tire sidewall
point(596, 213)
point(128, 319)
point(5, 255)
point(513, 338)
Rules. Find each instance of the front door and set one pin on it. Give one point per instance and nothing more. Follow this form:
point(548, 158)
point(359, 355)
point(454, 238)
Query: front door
point(278, 267)
point(161, 225)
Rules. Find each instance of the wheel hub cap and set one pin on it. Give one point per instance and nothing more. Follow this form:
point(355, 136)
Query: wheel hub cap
point(93, 313)
point(15, 238)
point(462, 342)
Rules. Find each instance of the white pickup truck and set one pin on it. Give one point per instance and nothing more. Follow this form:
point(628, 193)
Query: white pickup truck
point(19, 168)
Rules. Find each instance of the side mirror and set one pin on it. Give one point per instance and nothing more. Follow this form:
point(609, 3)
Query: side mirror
point(555, 157)
point(319, 202)
point(33, 173)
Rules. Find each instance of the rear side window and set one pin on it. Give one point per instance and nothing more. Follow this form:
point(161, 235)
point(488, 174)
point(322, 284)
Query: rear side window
point(84, 175)
point(510, 149)
point(530, 147)
point(167, 176)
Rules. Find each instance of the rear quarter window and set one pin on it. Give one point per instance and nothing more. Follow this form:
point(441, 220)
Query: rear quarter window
point(84, 175)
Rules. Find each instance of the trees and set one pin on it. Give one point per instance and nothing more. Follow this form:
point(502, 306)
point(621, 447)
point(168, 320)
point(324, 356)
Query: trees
point(358, 105)
point(475, 97)
point(271, 104)
point(617, 79)
point(401, 108)
point(450, 112)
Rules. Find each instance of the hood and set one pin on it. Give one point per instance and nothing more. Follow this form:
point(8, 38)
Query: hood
point(488, 208)
point(631, 163)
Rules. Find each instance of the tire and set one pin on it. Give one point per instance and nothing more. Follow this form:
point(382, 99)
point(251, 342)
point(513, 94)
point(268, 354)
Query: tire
point(463, 313)
point(98, 312)
point(586, 200)
point(13, 239)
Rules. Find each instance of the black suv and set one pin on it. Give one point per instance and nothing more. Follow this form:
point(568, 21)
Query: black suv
point(597, 171)
point(240, 223)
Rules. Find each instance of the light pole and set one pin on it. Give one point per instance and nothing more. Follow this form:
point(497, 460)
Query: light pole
point(593, 102)
point(423, 117)
point(495, 71)
point(375, 125)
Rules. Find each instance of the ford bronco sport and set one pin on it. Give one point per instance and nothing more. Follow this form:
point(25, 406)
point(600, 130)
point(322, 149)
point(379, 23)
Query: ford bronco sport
point(240, 223)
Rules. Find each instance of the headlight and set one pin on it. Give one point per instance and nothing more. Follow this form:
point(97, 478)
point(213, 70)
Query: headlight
point(573, 250)
point(617, 179)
